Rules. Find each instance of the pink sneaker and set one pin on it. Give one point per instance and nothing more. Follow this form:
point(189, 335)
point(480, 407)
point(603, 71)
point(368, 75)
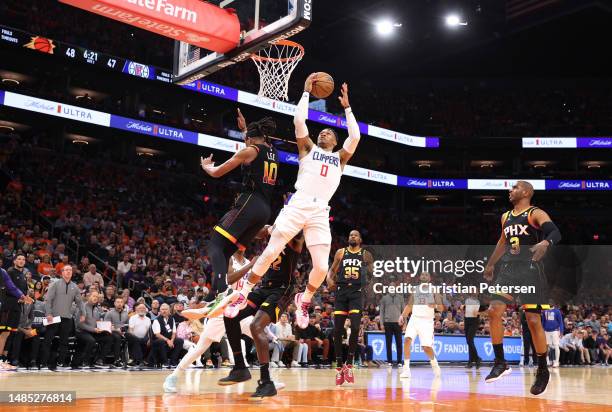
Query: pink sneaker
point(232, 310)
point(302, 311)
point(348, 374)
point(339, 376)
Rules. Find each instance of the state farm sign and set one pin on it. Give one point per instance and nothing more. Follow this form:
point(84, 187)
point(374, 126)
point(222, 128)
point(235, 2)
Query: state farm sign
point(191, 21)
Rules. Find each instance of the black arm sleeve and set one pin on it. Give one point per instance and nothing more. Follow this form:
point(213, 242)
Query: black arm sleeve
point(551, 233)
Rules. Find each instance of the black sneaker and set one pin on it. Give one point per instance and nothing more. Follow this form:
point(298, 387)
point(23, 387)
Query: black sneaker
point(235, 376)
point(500, 369)
point(478, 362)
point(541, 381)
point(264, 390)
point(469, 365)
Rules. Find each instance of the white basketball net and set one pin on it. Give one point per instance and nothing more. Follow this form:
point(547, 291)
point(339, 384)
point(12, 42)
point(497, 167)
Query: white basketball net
point(275, 65)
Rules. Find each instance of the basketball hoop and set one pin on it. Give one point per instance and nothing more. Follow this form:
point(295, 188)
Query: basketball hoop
point(275, 65)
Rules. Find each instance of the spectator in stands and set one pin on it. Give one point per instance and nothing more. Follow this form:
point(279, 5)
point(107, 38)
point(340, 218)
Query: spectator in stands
point(286, 342)
point(593, 322)
point(108, 301)
point(60, 265)
point(138, 334)
point(44, 267)
point(318, 345)
point(60, 297)
point(391, 307)
point(123, 268)
point(570, 345)
point(154, 313)
point(166, 346)
point(186, 332)
point(127, 299)
point(93, 276)
point(589, 343)
point(364, 352)
point(31, 265)
point(118, 316)
point(603, 344)
point(88, 334)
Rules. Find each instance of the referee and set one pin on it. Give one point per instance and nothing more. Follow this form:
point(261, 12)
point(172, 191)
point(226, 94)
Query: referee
point(13, 292)
point(471, 309)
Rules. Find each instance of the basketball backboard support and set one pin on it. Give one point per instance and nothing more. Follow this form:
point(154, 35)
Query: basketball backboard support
point(262, 23)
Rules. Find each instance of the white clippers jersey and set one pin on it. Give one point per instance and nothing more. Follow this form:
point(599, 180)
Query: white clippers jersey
point(319, 174)
point(237, 266)
point(420, 307)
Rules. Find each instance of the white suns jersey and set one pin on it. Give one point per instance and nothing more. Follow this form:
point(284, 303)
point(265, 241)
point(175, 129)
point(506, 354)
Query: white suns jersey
point(237, 266)
point(420, 306)
point(319, 174)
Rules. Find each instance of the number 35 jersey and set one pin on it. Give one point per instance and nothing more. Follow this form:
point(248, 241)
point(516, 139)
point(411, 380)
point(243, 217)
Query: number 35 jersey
point(521, 232)
point(352, 268)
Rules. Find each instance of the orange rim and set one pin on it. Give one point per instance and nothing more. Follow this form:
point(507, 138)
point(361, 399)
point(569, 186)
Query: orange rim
point(282, 59)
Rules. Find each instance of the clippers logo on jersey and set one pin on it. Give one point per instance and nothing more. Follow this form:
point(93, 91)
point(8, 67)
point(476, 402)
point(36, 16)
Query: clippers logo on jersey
point(326, 158)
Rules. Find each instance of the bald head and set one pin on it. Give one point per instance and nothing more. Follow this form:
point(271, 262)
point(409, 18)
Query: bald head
point(526, 187)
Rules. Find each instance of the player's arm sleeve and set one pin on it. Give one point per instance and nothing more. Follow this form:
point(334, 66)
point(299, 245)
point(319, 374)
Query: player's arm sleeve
point(9, 285)
point(354, 135)
point(551, 232)
point(301, 114)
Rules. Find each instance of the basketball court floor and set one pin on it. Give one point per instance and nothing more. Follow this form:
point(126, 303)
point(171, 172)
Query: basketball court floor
point(458, 389)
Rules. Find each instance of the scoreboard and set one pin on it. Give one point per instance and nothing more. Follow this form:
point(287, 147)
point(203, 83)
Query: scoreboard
point(81, 54)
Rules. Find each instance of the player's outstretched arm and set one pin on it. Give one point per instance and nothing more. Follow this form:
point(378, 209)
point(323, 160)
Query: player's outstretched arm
point(237, 275)
point(302, 137)
point(333, 270)
point(246, 155)
point(354, 135)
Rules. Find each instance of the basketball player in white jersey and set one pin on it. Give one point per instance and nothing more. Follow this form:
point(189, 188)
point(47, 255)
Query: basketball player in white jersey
point(214, 328)
point(422, 304)
point(320, 170)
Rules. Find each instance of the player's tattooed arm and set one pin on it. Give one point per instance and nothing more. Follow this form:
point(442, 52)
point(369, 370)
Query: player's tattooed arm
point(333, 270)
point(244, 156)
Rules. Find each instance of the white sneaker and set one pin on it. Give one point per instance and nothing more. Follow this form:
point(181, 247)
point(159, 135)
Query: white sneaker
point(405, 373)
point(295, 364)
point(170, 384)
point(273, 365)
point(555, 364)
point(436, 370)
point(281, 364)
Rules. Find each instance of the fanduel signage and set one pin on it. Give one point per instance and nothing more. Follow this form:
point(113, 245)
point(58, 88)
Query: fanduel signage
point(191, 21)
point(447, 348)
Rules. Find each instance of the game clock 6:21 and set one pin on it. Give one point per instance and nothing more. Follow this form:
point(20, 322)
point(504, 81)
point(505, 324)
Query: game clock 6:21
point(91, 57)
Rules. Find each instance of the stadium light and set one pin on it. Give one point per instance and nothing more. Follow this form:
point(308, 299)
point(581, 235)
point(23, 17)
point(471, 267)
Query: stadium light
point(385, 27)
point(453, 20)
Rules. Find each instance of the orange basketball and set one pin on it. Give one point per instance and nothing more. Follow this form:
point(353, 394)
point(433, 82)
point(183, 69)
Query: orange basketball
point(322, 85)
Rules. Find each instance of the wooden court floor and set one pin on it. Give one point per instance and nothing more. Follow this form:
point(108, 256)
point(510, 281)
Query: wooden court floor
point(571, 389)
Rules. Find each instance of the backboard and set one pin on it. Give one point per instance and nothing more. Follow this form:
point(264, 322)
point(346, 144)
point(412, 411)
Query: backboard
point(262, 23)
